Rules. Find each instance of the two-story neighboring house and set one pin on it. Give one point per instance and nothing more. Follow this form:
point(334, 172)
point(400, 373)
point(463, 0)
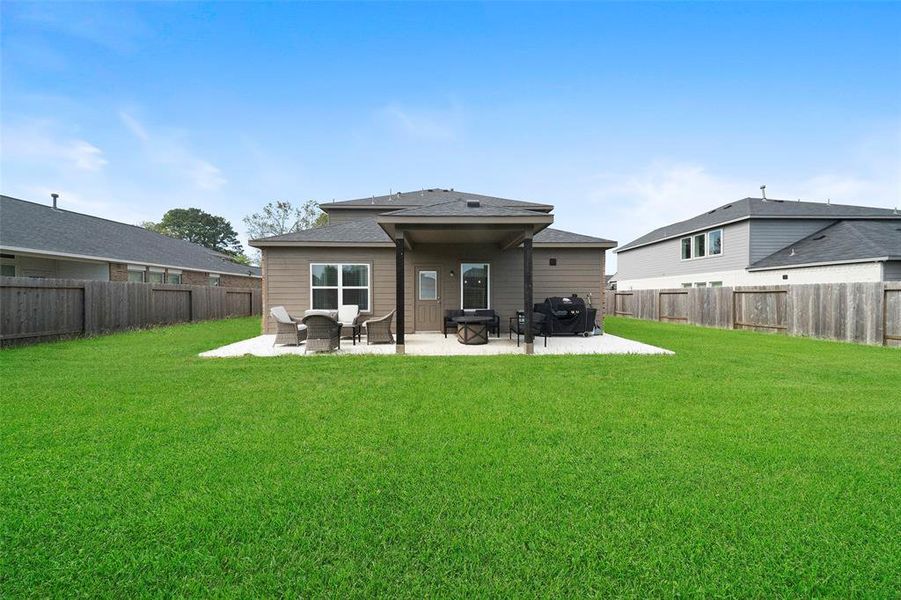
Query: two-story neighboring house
point(756, 241)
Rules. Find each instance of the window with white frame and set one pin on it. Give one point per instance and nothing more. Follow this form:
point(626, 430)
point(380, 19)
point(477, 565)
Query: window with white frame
point(699, 245)
point(173, 276)
point(714, 242)
point(214, 279)
point(136, 273)
point(475, 285)
point(155, 275)
point(716, 284)
point(339, 284)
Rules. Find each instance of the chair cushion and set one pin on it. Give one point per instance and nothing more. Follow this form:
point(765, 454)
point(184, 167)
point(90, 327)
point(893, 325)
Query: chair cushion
point(325, 313)
point(347, 313)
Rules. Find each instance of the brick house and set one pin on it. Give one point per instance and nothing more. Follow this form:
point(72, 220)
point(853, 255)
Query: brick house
point(37, 240)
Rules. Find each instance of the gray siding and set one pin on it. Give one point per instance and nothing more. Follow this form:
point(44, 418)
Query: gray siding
point(337, 216)
point(892, 270)
point(665, 258)
point(286, 275)
point(770, 235)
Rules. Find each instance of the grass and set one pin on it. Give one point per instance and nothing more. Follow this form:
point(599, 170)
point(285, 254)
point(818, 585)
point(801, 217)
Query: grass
point(745, 465)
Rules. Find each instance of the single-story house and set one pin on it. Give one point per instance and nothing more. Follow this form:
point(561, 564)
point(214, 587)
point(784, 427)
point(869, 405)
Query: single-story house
point(761, 241)
point(424, 252)
point(39, 240)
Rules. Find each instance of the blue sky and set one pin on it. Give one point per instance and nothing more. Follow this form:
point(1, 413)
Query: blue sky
point(625, 116)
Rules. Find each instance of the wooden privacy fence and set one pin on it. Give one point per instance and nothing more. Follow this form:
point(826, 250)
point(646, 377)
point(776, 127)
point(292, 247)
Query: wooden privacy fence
point(867, 313)
point(36, 310)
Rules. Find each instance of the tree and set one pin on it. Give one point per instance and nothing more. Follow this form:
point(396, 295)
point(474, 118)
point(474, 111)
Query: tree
point(200, 227)
point(281, 217)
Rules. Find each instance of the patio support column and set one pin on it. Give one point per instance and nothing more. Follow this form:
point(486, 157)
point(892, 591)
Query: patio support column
point(399, 291)
point(527, 290)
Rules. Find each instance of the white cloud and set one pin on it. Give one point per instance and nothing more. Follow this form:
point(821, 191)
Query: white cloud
point(169, 149)
point(42, 141)
point(438, 125)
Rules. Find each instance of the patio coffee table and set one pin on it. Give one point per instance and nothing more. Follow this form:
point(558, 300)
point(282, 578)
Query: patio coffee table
point(472, 331)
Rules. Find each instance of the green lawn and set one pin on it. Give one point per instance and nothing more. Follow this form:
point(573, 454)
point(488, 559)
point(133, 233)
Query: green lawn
point(745, 465)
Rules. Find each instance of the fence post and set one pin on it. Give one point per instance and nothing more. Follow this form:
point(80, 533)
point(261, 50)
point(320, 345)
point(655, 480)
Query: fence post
point(87, 297)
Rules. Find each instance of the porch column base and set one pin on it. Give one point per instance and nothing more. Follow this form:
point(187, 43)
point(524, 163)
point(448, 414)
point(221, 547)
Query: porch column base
point(530, 348)
point(399, 349)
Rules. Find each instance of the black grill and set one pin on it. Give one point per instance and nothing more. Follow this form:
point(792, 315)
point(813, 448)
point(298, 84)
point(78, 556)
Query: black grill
point(567, 315)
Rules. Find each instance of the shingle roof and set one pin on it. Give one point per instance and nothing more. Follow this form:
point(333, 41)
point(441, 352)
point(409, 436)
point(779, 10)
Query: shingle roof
point(840, 242)
point(558, 236)
point(363, 231)
point(41, 228)
point(462, 208)
point(430, 196)
point(747, 208)
point(368, 231)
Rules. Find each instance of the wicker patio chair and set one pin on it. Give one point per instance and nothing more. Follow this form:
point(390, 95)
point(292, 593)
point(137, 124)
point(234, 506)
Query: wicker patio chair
point(323, 334)
point(378, 331)
point(288, 331)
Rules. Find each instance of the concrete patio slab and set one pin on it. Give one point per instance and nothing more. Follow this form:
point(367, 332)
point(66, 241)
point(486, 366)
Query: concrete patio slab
point(435, 344)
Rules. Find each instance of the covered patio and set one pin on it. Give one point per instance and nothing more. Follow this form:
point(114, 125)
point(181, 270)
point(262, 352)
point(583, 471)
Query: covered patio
point(466, 222)
point(435, 344)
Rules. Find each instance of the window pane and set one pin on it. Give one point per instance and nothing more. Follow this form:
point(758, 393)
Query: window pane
point(154, 277)
point(136, 276)
point(214, 280)
point(686, 248)
point(360, 297)
point(715, 242)
point(428, 285)
point(700, 245)
point(355, 275)
point(475, 285)
point(325, 275)
point(716, 284)
point(173, 278)
point(325, 299)
point(8, 270)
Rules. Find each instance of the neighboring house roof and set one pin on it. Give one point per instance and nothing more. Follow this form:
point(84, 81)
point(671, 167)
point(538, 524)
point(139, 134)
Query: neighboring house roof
point(842, 242)
point(430, 196)
point(31, 227)
point(369, 232)
point(748, 208)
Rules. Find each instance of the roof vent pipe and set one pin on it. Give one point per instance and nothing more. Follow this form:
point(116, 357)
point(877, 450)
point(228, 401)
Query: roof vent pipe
point(763, 191)
point(55, 197)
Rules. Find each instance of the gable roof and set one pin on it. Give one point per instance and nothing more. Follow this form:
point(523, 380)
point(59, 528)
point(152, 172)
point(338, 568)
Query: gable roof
point(748, 208)
point(367, 232)
point(841, 242)
point(28, 226)
point(427, 197)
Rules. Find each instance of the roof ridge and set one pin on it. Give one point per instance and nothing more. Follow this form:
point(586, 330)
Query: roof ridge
point(852, 225)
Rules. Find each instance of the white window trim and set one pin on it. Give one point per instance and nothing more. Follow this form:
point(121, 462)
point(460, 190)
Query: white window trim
point(211, 276)
point(419, 285)
point(707, 254)
point(488, 271)
point(722, 238)
point(340, 287)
